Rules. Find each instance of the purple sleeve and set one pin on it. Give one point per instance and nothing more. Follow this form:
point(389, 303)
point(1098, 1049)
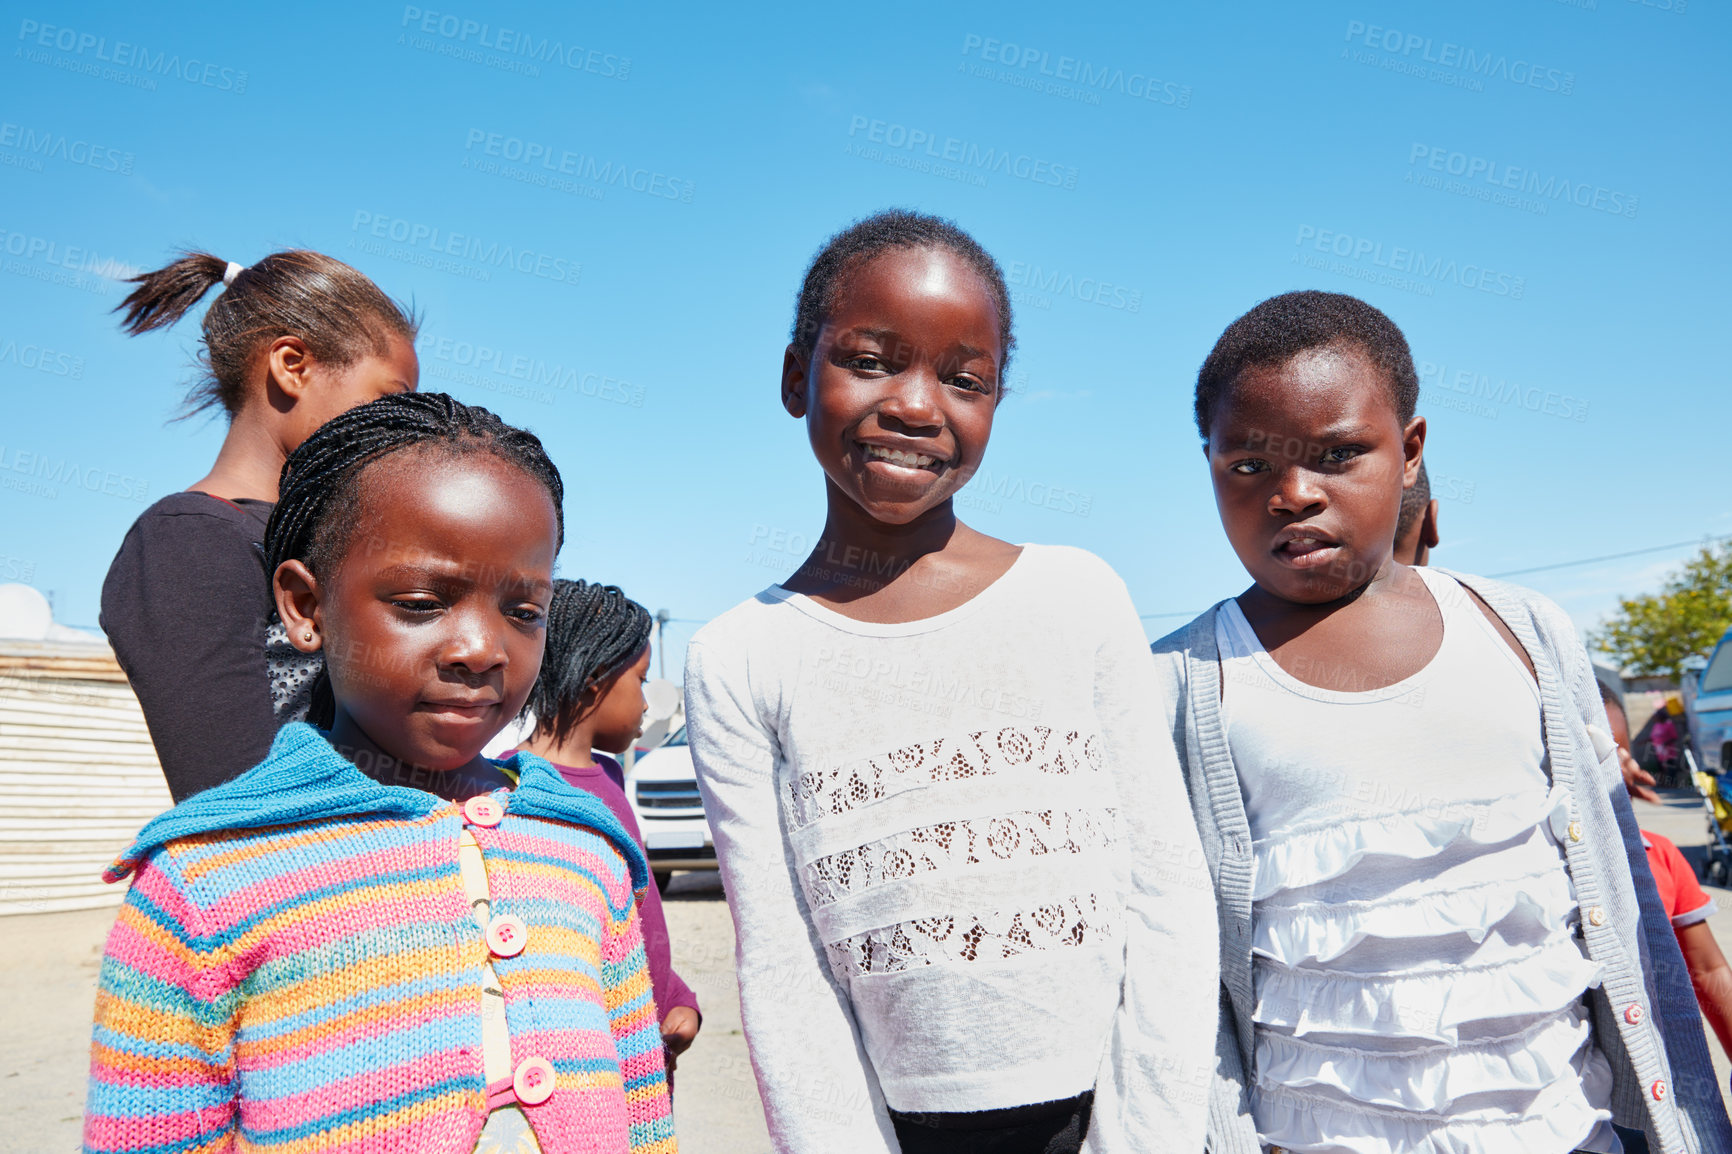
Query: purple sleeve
point(670, 989)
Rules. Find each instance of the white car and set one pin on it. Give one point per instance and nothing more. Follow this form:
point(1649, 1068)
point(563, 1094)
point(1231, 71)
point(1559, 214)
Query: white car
point(663, 790)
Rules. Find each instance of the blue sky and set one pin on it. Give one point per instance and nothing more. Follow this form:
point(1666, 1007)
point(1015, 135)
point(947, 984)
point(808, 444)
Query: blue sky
point(1532, 189)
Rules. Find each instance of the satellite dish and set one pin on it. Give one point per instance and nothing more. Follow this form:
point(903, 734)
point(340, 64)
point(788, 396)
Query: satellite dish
point(24, 613)
point(662, 698)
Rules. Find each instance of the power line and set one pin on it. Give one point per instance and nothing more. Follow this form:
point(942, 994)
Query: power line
point(1524, 572)
point(1609, 557)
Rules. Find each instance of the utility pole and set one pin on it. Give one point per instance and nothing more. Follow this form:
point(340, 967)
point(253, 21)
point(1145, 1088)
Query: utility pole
point(662, 619)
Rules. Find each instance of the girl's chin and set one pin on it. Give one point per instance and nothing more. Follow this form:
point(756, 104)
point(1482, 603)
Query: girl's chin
point(1303, 589)
point(899, 507)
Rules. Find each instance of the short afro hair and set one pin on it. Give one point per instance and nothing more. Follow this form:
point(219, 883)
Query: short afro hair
point(1413, 503)
point(1282, 327)
point(894, 228)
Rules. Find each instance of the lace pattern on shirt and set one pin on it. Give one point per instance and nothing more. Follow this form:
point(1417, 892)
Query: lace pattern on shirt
point(291, 673)
point(824, 792)
point(955, 938)
point(953, 845)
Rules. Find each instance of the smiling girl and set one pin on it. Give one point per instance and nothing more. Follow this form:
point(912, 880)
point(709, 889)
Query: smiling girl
point(1438, 929)
point(967, 889)
point(376, 938)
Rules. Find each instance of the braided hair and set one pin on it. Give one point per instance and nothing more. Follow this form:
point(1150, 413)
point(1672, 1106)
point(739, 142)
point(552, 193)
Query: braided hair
point(895, 228)
point(593, 632)
point(319, 494)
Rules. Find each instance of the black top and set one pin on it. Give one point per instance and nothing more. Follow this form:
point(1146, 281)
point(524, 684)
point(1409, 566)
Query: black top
point(187, 606)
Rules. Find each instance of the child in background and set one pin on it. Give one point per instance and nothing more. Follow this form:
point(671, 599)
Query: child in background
point(287, 344)
point(376, 938)
point(968, 891)
point(1431, 937)
point(1663, 734)
point(587, 703)
point(1687, 905)
point(1416, 526)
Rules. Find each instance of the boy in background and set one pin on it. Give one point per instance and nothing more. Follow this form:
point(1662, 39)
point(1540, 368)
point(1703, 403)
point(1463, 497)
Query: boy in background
point(1687, 904)
point(1416, 527)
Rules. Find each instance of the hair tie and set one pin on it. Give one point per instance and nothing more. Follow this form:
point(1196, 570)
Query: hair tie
point(230, 273)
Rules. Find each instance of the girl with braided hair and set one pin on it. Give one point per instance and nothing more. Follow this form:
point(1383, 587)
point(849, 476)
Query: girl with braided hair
point(377, 938)
point(286, 345)
point(589, 703)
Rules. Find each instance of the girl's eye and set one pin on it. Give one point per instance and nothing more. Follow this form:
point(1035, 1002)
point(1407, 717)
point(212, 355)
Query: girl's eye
point(415, 604)
point(972, 384)
point(526, 613)
point(867, 363)
point(1341, 454)
point(1246, 468)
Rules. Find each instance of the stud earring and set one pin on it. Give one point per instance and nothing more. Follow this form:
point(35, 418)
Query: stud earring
point(307, 636)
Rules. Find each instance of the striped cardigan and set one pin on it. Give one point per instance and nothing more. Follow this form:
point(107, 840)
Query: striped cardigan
point(296, 968)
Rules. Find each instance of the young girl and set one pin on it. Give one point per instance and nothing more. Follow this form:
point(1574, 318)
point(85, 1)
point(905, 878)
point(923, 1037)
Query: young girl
point(967, 889)
point(1431, 936)
point(288, 344)
point(587, 703)
point(376, 939)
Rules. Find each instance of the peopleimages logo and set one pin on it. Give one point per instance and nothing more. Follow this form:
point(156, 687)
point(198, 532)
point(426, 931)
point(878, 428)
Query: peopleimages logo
point(556, 161)
point(96, 49)
point(64, 471)
point(1457, 64)
point(40, 358)
point(1403, 267)
point(484, 366)
point(437, 242)
point(1074, 71)
point(1038, 285)
point(74, 257)
point(513, 44)
point(953, 150)
point(1525, 181)
point(1473, 386)
point(58, 146)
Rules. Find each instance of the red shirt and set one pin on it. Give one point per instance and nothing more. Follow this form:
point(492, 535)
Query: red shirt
point(1685, 901)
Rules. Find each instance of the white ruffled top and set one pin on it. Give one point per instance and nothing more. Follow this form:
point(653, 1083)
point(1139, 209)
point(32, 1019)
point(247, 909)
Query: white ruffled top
point(1419, 981)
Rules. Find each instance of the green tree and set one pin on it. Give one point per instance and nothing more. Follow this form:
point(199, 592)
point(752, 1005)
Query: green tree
point(1654, 634)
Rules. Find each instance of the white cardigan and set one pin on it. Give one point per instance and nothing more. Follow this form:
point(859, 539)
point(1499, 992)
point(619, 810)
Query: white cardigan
point(960, 860)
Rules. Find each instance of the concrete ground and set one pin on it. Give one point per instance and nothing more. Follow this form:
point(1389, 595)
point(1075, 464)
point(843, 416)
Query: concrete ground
point(48, 972)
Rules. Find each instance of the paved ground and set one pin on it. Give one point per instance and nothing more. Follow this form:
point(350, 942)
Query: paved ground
point(48, 970)
point(48, 981)
point(716, 1108)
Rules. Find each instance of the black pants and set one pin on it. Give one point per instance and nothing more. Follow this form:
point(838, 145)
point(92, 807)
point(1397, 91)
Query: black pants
point(1043, 1128)
point(1635, 1142)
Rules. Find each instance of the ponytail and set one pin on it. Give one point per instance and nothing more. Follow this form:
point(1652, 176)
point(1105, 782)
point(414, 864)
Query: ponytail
point(340, 314)
point(164, 296)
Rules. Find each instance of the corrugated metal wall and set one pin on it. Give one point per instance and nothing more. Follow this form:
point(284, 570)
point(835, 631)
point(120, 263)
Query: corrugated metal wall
point(78, 775)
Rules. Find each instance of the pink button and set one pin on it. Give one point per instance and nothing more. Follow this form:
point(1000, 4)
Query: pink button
point(533, 1081)
point(1659, 1091)
point(507, 935)
point(1633, 1015)
point(482, 810)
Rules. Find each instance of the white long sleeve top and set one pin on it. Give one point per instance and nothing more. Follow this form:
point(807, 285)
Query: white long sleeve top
point(960, 860)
